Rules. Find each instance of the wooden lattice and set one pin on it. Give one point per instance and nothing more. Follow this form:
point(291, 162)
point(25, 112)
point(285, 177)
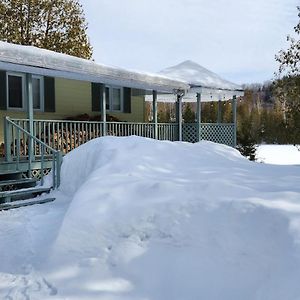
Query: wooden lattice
point(218, 133)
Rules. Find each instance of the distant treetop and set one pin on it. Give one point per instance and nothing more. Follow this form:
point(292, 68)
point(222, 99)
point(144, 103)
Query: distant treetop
point(57, 25)
point(289, 59)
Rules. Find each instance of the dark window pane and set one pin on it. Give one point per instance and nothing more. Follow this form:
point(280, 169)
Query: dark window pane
point(36, 89)
point(116, 99)
point(15, 93)
point(107, 98)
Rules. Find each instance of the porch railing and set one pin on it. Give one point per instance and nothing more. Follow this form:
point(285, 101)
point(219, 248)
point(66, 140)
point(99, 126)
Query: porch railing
point(19, 143)
point(67, 135)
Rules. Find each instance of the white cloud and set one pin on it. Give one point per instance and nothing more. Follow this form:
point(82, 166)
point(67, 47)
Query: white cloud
point(235, 38)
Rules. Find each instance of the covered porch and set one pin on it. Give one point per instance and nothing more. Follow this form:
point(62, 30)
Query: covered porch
point(36, 145)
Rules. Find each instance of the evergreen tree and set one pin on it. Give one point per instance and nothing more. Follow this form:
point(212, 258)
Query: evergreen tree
point(57, 25)
point(188, 114)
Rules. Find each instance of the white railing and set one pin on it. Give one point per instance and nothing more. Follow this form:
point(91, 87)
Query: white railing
point(67, 135)
point(19, 142)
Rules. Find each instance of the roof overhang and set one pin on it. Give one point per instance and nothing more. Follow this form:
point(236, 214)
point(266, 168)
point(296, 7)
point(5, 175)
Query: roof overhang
point(33, 60)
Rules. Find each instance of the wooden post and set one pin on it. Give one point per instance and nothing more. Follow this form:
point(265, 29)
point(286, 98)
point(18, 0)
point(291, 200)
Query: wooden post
point(7, 140)
point(29, 99)
point(199, 116)
point(234, 107)
point(219, 111)
point(179, 116)
point(154, 109)
point(103, 108)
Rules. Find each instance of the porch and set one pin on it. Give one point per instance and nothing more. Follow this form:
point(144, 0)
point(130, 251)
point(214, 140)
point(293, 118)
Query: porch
point(37, 153)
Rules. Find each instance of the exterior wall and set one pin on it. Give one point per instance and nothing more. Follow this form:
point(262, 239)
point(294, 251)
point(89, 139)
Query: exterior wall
point(72, 98)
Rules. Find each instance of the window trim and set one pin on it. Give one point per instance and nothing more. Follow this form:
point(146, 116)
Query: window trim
point(110, 97)
point(24, 104)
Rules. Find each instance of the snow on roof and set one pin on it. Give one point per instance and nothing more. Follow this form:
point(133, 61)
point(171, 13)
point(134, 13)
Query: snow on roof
point(198, 76)
point(201, 80)
point(45, 62)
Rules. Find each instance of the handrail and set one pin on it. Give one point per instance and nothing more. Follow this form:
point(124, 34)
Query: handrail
point(56, 154)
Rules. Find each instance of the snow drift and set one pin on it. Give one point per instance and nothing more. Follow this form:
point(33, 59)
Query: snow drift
point(142, 219)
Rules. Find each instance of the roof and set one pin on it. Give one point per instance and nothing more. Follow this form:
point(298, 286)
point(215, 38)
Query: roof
point(34, 60)
point(198, 76)
point(201, 80)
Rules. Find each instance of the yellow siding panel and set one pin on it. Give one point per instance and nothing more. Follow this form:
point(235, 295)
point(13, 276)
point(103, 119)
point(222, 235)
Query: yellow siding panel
point(73, 98)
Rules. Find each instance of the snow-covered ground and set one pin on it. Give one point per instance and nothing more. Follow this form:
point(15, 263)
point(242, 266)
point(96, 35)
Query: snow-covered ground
point(278, 154)
point(141, 219)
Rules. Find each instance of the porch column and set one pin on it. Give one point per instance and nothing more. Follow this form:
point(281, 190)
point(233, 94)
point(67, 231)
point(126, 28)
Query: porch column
point(179, 115)
point(199, 116)
point(103, 109)
point(234, 106)
point(219, 110)
point(154, 109)
point(29, 100)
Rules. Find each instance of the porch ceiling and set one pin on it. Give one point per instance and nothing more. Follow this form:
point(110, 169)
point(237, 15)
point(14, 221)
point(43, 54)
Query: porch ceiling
point(48, 63)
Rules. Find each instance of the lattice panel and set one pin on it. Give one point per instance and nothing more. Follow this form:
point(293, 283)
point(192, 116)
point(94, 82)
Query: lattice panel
point(218, 133)
point(189, 133)
point(37, 173)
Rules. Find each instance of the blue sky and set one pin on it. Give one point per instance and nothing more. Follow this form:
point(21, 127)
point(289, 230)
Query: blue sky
point(236, 39)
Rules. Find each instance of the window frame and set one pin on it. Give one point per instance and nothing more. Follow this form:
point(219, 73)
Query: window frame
point(110, 98)
point(24, 104)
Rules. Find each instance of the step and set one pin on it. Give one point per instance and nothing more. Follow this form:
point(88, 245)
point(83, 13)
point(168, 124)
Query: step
point(17, 182)
point(24, 192)
point(10, 175)
point(21, 203)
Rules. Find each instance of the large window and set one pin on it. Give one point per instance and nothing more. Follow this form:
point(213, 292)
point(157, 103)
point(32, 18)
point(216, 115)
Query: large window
point(114, 98)
point(16, 91)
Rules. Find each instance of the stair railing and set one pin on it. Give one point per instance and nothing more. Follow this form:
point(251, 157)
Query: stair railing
point(45, 150)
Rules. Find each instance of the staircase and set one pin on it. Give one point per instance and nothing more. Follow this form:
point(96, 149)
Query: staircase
point(16, 191)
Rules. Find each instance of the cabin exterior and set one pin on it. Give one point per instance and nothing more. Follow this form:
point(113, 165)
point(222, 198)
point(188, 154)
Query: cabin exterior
point(42, 93)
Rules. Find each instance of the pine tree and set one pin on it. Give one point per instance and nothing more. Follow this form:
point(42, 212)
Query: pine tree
point(188, 114)
point(57, 25)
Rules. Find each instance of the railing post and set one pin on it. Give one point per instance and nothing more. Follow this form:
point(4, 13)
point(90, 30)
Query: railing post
point(219, 111)
point(179, 116)
point(7, 139)
point(59, 159)
point(103, 108)
point(234, 107)
point(18, 149)
point(54, 170)
point(154, 105)
point(29, 97)
point(42, 164)
point(199, 116)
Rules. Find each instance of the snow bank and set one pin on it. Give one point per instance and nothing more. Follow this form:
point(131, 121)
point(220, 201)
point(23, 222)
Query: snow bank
point(278, 154)
point(142, 219)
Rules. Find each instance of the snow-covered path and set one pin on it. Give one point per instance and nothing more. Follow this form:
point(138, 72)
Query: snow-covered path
point(141, 219)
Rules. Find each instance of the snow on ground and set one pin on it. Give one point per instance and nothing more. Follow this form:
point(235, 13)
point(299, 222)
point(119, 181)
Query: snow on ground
point(278, 154)
point(141, 219)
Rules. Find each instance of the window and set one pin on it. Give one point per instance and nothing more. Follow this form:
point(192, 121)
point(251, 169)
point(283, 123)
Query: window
point(16, 91)
point(38, 94)
point(114, 98)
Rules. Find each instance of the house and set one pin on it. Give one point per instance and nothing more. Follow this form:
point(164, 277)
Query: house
point(40, 90)
point(65, 86)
